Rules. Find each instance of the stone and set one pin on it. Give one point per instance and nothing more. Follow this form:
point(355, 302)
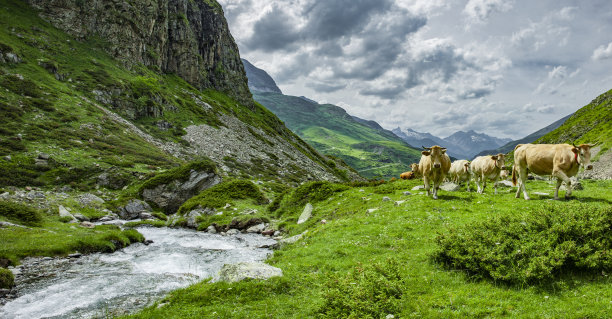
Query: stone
point(146, 216)
point(90, 200)
point(268, 232)
point(87, 224)
point(505, 184)
point(147, 242)
point(407, 193)
point(292, 239)
point(75, 255)
point(257, 228)
point(419, 187)
point(306, 214)
point(170, 196)
point(232, 232)
point(211, 229)
point(386, 199)
point(63, 212)
point(8, 158)
point(133, 209)
point(192, 216)
point(106, 218)
point(399, 202)
point(540, 193)
point(44, 156)
point(244, 270)
point(81, 217)
point(450, 187)
point(371, 210)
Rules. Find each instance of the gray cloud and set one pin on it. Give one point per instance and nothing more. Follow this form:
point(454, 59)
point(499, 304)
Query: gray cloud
point(273, 32)
point(326, 87)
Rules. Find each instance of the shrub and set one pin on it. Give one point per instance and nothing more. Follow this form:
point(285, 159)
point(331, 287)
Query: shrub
point(371, 291)
point(7, 280)
point(532, 248)
point(308, 193)
point(218, 195)
point(19, 212)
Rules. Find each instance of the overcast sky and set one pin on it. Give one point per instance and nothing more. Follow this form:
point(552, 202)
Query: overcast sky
point(505, 68)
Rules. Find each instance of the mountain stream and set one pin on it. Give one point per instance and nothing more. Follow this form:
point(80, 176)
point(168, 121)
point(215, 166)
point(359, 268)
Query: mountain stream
point(106, 285)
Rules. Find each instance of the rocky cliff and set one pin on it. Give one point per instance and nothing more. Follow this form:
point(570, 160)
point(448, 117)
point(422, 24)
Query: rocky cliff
point(185, 37)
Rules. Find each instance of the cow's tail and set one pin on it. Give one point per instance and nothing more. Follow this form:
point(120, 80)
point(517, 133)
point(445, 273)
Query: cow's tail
point(514, 174)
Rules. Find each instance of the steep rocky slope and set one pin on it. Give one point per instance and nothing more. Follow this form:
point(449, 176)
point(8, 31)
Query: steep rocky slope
point(75, 108)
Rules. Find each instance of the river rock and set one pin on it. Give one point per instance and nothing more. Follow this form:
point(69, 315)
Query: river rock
point(133, 209)
point(386, 199)
point(146, 216)
point(419, 187)
point(106, 218)
point(81, 217)
point(232, 232)
point(505, 184)
point(257, 228)
point(244, 270)
point(170, 196)
point(211, 229)
point(192, 216)
point(292, 239)
point(450, 187)
point(87, 225)
point(306, 213)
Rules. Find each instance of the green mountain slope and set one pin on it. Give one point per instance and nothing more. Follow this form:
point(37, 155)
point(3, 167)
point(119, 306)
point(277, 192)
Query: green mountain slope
point(330, 130)
point(67, 97)
point(591, 124)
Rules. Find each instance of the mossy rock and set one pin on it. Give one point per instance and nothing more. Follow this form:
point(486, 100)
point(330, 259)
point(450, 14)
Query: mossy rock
point(7, 280)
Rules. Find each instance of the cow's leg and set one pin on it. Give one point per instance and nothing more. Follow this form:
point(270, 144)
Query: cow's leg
point(467, 182)
point(426, 182)
point(561, 177)
point(435, 189)
point(495, 185)
point(484, 183)
point(522, 178)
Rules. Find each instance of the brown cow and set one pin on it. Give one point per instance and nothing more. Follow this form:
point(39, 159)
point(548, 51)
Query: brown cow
point(407, 175)
point(559, 160)
point(487, 167)
point(460, 171)
point(434, 166)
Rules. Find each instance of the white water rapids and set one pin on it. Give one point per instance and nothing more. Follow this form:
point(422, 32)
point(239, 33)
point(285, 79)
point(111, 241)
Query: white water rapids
point(104, 285)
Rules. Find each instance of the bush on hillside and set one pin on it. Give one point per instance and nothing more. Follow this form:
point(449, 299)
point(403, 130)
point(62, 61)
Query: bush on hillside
point(534, 247)
point(221, 194)
point(20, 213)
point(370, 291)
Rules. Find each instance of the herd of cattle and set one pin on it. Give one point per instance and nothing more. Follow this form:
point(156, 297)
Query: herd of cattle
point(557, 160)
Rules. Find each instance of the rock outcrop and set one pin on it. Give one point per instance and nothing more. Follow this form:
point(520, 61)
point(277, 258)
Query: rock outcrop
point(185, 37)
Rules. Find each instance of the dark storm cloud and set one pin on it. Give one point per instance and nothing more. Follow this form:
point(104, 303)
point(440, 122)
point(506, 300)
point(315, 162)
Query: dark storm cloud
point(388, 93)
point(274, 32)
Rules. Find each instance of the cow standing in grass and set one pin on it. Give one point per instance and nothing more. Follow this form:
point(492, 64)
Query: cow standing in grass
point(487, 167)
point(558, 160)
point(434, 166)
point(460, 171)
point(415, 170)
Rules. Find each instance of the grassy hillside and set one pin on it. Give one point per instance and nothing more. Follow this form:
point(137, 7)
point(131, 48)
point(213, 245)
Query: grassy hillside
point(590, 124)
point(371, 258)
point(373, 153)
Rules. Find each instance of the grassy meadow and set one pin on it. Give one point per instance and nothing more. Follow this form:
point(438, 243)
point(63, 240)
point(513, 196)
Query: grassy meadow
point(374, 256)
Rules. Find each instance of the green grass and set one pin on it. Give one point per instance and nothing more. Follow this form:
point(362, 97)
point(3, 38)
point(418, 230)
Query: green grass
point(7, 280)
point(52, 237)
point(368, 265)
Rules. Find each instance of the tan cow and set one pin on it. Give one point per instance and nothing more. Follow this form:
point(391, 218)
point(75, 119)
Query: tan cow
point(558, 160)
point(460, 171)
point(434, 166)
point(487, 167)
point(415, 170)
point(503, 175)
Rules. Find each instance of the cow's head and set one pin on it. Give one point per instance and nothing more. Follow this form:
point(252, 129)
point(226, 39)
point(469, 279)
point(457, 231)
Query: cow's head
point(466, 167)
point(583, 155)
point(414, 167)
point(436, 153)
point(500, 161)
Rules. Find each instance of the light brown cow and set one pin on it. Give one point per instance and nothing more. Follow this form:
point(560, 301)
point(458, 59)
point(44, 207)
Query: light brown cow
point(434, 166)
point(487, 167)
point(415, 170)
point(503, 175)
point(460, 171)
point(559, 160)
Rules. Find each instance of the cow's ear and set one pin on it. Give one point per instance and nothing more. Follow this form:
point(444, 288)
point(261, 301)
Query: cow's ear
point(576, 150)
point(443, 151)
point(426, 153)
point(494, 157)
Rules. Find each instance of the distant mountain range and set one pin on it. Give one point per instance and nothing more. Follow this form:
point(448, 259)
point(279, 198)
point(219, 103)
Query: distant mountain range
point(371, 150)
point(460, 144)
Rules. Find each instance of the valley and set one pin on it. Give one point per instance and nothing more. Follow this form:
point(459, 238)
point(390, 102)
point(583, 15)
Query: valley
point(148, 171)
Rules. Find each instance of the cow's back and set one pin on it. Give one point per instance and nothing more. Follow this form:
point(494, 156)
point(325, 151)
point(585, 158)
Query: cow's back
point(458, 168)
point(540, 158)
point(479, 164)
point(425, 165)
